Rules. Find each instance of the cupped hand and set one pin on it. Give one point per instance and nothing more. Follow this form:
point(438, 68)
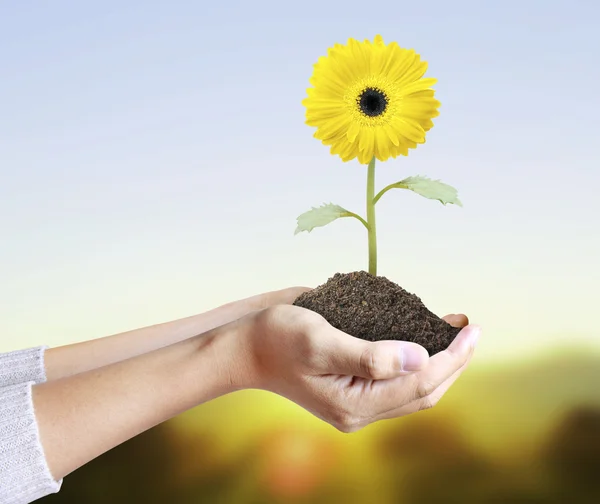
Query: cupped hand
point(280, 297)
point(343, 380)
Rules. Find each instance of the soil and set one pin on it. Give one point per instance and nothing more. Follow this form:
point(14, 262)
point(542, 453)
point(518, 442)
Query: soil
point(374, 308)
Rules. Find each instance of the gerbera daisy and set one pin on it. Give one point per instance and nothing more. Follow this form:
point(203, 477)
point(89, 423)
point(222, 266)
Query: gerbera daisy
point(370, 100)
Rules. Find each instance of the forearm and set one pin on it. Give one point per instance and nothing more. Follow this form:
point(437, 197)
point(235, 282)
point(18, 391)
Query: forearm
point(82, 416)
point(80, 357)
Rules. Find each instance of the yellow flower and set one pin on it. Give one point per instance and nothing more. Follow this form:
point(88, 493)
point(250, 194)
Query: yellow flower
point(370, 99)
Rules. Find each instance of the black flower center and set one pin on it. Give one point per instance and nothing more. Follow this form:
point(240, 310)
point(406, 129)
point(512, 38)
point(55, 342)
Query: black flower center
point(372, 102)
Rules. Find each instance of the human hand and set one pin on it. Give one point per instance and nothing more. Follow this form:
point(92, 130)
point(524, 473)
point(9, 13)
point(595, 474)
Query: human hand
point(343, 380)
point(278, 297)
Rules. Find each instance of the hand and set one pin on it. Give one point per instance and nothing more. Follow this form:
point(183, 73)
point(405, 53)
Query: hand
point(345, 381)
point(273, 298)
point(159, 371)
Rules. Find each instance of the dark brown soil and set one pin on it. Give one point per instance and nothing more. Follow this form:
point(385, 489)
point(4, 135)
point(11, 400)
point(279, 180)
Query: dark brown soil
point(374, 308)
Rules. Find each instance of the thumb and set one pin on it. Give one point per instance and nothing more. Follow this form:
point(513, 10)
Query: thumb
point(379, 360)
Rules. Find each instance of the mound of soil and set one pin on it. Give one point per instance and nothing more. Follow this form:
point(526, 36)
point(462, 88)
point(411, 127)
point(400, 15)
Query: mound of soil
point(374, 308)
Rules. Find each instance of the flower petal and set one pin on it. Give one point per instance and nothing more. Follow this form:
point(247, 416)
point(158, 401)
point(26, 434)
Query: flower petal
point(391, 134)
point(353, 131)
point(416, 86)
point(340, 78)
point(367, 141)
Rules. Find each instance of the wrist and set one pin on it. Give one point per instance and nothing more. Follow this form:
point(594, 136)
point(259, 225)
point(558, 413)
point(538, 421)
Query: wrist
point(129, 397)
point(238, 357)
point(225, 356)
point(263, 342)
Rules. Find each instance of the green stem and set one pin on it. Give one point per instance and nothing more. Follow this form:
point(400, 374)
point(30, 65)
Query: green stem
point(372, 231)
point(352, 214)
point(395, 185)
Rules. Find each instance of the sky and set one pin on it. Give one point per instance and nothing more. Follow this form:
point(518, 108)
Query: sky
point(154, 158)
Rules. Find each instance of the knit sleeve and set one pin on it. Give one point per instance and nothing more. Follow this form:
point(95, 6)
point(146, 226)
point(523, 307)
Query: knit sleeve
point(22, 366)
point(24, 472)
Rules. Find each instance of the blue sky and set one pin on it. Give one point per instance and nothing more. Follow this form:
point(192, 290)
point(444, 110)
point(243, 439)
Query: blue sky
point(153, 158)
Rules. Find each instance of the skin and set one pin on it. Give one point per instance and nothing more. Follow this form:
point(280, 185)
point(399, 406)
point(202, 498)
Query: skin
point(72, 359)
point(103, 392)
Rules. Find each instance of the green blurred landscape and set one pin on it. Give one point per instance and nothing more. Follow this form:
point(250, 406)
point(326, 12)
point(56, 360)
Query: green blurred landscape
point(512, 433)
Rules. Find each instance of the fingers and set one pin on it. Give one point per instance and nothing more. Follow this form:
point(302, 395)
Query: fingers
point(426, 402)
point(433, 399)
point(446, 363)
point(282, 296)
point(287, 296)
point(420, 387)
point(380, 360)
point(457, 320)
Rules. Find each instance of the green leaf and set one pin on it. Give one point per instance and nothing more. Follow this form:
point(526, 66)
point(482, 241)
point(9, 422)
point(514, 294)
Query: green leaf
point(431, 189)
point(321, 216)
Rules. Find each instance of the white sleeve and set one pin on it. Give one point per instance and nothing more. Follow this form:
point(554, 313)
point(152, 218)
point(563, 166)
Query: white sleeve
point(24, 472)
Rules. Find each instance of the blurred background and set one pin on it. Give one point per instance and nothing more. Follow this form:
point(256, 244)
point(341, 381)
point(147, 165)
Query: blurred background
point(154, 157)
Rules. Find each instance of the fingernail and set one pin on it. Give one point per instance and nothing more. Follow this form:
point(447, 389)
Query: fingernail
point(474, 336)
point(411, 359)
